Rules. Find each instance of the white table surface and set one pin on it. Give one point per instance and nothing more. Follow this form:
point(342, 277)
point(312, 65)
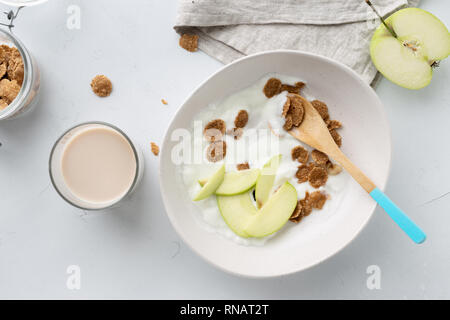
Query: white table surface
point(133, 252)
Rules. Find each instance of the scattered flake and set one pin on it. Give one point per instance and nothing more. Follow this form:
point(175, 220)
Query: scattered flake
point(297, 110)
point(302, 173)
point(317, 199)
point(319, 157)
point(189, 42)
point(336, 137)
point(297, 214)
point(241, 119)
point(164, 102)
point(101, 86)
point(288, 124)
point(214, 130)
point(322, 108)
point(236, 133)
point(155, 148)
point(216, 151)
point(286, 107)
point(317, 177)
point(333, 124)
point(300, 154)
point(272, 87)
point(243, 166)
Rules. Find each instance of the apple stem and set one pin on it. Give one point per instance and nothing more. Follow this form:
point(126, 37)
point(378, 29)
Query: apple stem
point(381, 18)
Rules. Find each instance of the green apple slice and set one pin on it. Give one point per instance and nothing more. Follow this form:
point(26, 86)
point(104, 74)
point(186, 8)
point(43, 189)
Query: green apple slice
point(213, 183)
point(274, 214)
point(237, 211)
point(266, 179)
point(236, 182)
point(421, 40)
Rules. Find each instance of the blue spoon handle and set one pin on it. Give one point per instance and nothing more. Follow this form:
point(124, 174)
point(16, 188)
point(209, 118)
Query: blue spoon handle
point(403, 221)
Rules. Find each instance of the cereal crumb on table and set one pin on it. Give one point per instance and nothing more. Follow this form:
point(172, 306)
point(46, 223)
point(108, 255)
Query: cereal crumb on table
point(163, 101)
point(101, 86)
point(155, 148)
point(189, 42)
point(243, 166)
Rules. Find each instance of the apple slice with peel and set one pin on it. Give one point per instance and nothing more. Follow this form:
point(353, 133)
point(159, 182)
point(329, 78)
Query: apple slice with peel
point(236, 182)
point(421, 39)
point(274, 214)
point(265, 181)
point(213, 183)
point(237, 211)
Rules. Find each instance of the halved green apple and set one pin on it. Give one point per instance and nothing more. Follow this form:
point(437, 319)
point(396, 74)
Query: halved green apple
point(421, 39)
point(236, 182)
point(237, 211)
point(274, 214)
point(211, 186)
point(265, 181)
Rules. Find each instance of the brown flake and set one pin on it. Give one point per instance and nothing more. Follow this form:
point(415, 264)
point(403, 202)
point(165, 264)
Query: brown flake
point(321, 108)
point(214, 130)
point(272, 87)
point(243, 166)
point(317, 199)
point(297, 110)
point(336, 137)
point(300, 154)
point(9, 89)
point(297, 214)
point(216, 151)
point(241, 119)
point(317, 177)
point(155, 148)
point(288, 124)
point(333, 124)
point(101, 86)
point(319, 157)
point(302, 173)
point(189, 42)
point(306, 205)
point(286, 107)
point(3, 104)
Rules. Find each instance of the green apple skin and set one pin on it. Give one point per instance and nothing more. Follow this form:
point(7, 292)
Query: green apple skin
point(400, 64)
point(211, 186)
point(237, 211)
point(266, 179)
point(274, 214)
point(237, 182)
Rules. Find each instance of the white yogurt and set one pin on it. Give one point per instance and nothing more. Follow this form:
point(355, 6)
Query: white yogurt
point(256, 146)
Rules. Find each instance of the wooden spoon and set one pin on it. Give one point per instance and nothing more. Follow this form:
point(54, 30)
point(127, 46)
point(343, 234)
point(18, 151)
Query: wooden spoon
point(314, 132)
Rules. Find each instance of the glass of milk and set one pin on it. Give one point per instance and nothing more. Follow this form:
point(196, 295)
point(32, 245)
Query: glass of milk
point(95, 165)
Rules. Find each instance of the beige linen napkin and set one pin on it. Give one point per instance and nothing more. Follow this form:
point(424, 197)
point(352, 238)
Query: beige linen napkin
point(339, 29)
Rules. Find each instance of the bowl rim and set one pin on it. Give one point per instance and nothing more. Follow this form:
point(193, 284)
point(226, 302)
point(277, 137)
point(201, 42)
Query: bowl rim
point(381, 185)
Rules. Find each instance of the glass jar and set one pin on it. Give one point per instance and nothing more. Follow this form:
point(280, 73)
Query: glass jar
point(29, 92)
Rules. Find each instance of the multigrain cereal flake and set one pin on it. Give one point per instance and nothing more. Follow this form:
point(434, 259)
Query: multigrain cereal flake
point(216, 151)
point(297, 214)
point(333, 124)
point(306, 205)
point(243, 166)
point(300, 154)
point(317, 177)
point(296, 109)
point(272, 87)
point(214, 130)
point(241, 119)
point(9, 89)
point(317, 199)
point(286, 107)
point(336, 137)
point(189, 42)
point(319, 157)
point(288, 124)
point(236, 133)
point(154, 148)
point(302, 173)
point(101, 86)
point(321, 108)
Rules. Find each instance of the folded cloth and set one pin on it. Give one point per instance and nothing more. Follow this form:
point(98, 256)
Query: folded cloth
point(338, 29)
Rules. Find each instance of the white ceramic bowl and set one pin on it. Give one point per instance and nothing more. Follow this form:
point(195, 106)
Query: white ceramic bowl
point(366, 136)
